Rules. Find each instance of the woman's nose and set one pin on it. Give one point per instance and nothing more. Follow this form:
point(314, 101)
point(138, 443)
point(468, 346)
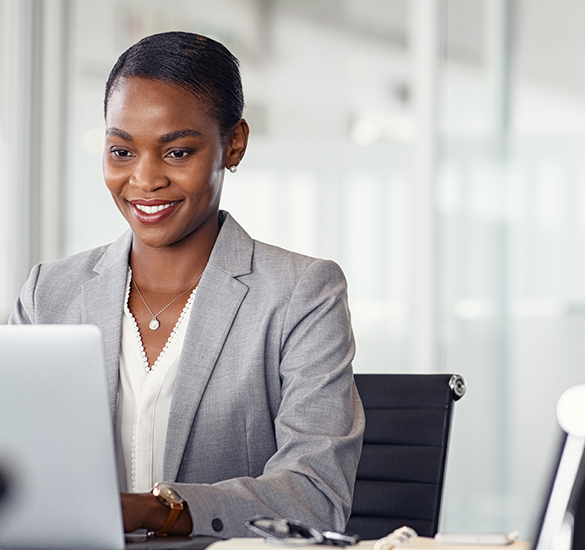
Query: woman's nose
point(149, 175)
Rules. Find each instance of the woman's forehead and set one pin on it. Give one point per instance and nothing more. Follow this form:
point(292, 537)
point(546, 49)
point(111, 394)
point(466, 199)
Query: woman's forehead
point(140, 98)
point(138, 88)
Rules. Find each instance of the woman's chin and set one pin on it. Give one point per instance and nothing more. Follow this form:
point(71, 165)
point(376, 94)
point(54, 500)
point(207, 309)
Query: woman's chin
point(153, 237)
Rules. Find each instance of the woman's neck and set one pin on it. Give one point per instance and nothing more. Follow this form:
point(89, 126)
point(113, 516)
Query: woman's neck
point(171, 268)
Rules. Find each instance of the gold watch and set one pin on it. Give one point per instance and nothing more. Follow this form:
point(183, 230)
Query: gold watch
point(169, 497)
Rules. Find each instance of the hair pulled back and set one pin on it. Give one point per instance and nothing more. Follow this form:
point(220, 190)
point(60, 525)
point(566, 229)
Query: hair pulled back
point(199, 65)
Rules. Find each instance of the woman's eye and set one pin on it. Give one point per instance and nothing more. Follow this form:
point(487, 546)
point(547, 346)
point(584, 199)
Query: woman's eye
point(121, 153)
point(179, 154)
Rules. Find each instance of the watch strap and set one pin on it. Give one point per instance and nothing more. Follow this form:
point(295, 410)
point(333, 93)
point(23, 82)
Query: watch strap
point(175, 509)
point(167, 496)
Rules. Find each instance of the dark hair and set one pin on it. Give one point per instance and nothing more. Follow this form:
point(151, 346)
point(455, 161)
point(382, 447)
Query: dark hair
point(198, 64)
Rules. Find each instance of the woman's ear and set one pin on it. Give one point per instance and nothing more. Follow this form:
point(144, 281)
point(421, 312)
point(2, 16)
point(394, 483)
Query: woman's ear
point(237, 143)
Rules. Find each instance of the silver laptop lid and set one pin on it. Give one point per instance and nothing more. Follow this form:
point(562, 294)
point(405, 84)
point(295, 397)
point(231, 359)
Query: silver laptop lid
point(56, 441)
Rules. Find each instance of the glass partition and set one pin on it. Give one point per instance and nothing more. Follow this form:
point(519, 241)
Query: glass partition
point(510, 200)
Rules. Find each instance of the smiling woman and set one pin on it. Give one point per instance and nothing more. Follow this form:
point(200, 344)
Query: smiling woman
point(167, 184)
point(235, 395)
point(164, 163)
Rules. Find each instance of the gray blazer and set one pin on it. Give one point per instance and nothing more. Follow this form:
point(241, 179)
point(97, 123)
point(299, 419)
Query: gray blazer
point(265, 418)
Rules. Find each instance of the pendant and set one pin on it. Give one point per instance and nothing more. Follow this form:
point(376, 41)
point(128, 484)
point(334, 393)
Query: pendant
point(154, 324)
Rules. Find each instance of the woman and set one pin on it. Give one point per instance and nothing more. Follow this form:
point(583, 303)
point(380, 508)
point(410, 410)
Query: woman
point(228, 360)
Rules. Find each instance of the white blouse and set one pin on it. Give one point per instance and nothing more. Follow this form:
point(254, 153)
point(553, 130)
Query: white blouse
point(144, 401)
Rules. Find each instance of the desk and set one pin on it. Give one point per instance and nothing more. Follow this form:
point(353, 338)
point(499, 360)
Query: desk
point(420, 543)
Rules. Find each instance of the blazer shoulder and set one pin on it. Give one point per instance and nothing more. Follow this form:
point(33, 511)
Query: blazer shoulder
point(287, 264)
point(52, 293)
point(61, 280)
point(236, 253)
point(85, 265)
point(71, 272)
point(79, 265)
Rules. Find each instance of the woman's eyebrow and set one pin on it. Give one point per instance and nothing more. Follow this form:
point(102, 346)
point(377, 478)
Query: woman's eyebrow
point(172, 136)
point(113, 131)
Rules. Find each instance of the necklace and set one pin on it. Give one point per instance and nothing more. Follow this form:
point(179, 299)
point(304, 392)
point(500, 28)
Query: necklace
point(154, 323)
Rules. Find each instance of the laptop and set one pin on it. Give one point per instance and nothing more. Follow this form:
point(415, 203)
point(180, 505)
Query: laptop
point(57, 458)
point(562, 522)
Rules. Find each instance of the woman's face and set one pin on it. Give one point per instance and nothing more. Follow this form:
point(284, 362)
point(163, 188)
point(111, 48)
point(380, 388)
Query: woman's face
point(164, 161)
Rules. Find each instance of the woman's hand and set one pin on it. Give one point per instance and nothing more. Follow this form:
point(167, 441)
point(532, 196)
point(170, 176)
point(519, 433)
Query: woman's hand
point(145, 511)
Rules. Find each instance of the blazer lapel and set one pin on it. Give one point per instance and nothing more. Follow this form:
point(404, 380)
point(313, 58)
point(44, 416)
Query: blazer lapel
point(102, 305)
point(216, 304)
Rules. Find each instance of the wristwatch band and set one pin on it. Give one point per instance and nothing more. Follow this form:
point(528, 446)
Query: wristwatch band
point(169, 498)
point(174, 512)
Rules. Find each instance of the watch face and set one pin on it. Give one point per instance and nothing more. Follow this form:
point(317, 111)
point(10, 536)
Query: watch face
point(166, 492)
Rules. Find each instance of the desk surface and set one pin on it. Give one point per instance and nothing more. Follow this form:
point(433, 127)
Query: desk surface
point(420, 543)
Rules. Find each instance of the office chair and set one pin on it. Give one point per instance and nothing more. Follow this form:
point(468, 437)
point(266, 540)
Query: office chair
point(401, 470)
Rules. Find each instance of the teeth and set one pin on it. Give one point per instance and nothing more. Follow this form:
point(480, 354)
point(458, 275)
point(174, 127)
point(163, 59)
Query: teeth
point(154, 209)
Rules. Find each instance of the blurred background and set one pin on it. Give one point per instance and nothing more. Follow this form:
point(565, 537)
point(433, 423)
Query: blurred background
point(434, 148)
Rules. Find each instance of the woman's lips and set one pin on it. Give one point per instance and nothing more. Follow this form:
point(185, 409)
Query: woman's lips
point(153, 212)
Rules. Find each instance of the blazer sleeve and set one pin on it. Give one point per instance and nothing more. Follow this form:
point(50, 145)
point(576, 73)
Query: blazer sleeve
point(24, 309)
point(318, 427)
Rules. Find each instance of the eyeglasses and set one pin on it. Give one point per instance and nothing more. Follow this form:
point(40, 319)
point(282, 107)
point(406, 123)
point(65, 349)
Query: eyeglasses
point(287, 532)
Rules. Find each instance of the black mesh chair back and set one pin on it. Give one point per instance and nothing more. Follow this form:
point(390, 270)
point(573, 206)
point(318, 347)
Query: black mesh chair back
point(401, 470)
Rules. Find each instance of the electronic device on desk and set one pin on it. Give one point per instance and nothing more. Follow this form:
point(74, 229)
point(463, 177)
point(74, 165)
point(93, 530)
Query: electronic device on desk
point(57, 445)
point(557, 527)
